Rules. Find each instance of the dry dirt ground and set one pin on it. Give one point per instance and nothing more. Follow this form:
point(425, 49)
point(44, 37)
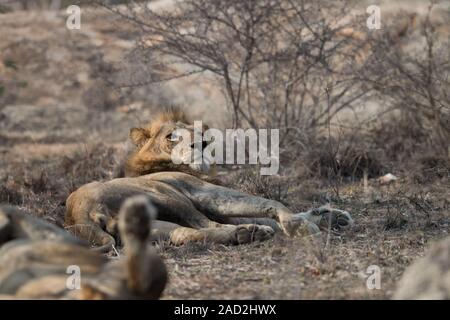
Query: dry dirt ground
point(61, 126)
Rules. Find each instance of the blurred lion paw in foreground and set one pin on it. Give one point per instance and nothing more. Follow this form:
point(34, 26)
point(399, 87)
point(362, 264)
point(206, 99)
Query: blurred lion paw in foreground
point(36, 258)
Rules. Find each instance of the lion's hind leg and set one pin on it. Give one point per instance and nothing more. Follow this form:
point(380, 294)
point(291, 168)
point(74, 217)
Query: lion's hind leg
point(225, 234)
point(247, 233)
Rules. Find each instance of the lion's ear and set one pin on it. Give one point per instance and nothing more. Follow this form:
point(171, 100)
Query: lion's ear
point(139, 135)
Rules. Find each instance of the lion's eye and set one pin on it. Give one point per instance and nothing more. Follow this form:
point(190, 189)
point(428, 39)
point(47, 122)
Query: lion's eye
point(172, 137)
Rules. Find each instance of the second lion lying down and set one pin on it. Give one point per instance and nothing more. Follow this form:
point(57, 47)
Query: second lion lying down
point(190, 209)
point(36, 256)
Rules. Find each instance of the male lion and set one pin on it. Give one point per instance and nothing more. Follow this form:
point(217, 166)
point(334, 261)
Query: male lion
point(190, 209)
point(35, 257)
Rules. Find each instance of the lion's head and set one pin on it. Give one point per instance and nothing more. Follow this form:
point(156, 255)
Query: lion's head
point(155, 143)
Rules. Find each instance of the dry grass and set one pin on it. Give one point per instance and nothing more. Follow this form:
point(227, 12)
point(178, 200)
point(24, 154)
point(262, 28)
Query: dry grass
point(394, 225)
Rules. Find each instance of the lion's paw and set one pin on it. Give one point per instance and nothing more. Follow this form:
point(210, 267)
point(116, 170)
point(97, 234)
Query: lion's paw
point(329, 218)
point(247, 233)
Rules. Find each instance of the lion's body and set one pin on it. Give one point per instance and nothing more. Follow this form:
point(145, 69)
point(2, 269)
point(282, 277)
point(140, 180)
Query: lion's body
point(181, 199)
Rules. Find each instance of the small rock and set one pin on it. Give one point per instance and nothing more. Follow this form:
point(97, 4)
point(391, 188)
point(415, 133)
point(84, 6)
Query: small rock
point(387, 178)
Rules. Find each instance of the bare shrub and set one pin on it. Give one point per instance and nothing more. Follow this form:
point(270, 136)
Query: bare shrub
point(331, 159)
point(397, 137)
point(431, 167)
point(415, 84)
point(295, 66)
point(269, 187)
point(273, 59)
